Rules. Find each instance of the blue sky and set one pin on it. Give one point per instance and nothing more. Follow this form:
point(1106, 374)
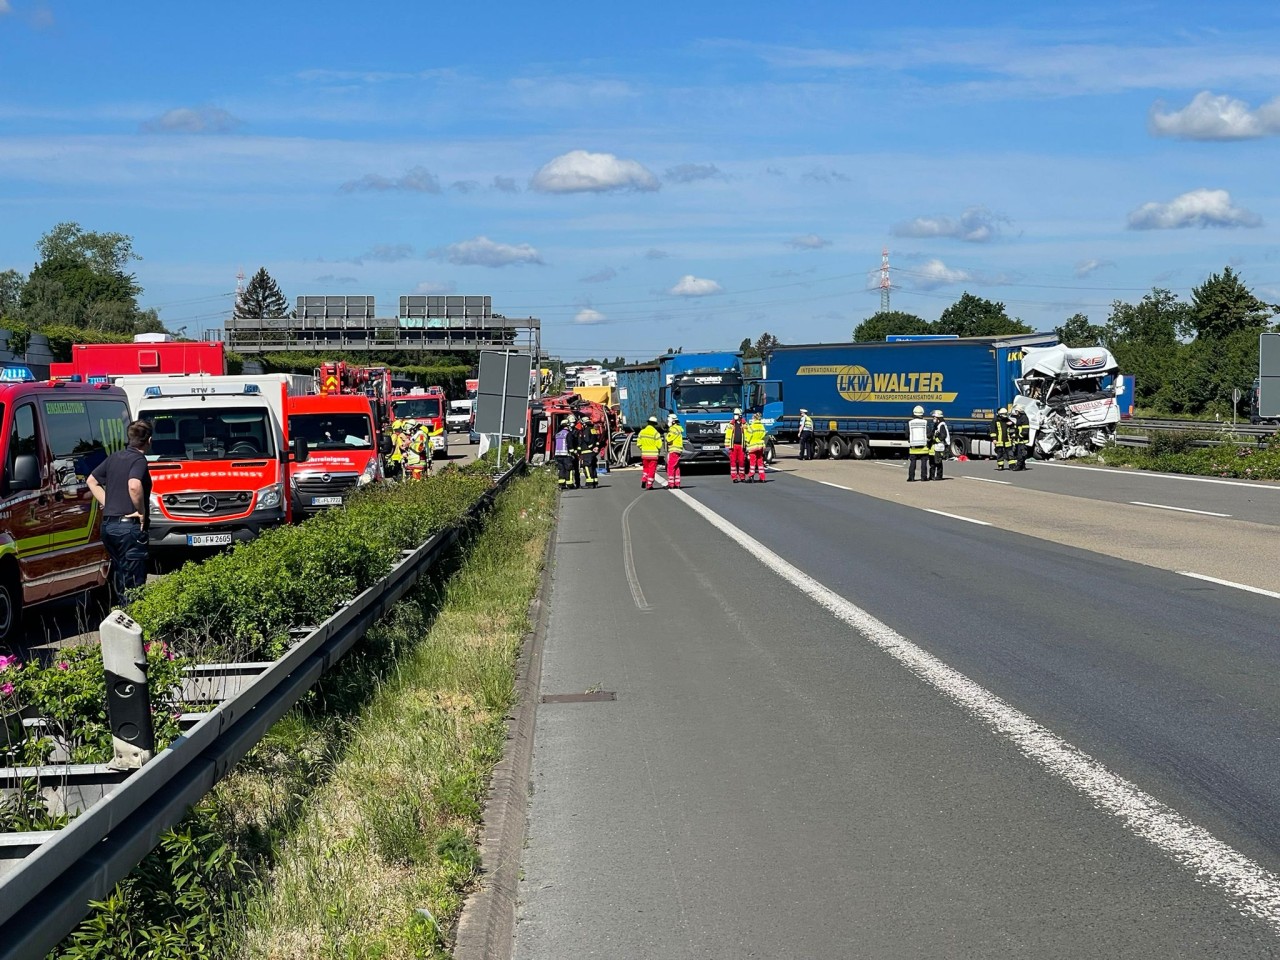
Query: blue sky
point(676, 174)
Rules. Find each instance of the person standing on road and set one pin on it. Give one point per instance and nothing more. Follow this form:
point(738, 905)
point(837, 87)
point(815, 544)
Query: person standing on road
point(941, 444)
point(735, 436)
point(586, 451)
point(1002, 437)
point(650, 441)
point(806, 435)
point(675, 450)
point(418, 456)
point(755, 449)
point(1021, 436)
point(575, 450)
point(122, 486)
point(560, 450)
point(918, 451)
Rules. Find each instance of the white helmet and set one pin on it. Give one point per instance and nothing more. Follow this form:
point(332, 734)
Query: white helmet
point(1002, 412)
point(917, 411)
point(653, 419)
point(672, 418)
point(737, 411)
point(937, 413)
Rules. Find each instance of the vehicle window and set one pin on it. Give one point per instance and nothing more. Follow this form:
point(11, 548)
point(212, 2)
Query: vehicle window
point(109, 421)
point(209, 434)
point(75, 453)
point(417, 408)
point(24, 441)
point(333, 431)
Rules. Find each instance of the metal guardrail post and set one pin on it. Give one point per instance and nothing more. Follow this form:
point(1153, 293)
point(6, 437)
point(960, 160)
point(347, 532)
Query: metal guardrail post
point(128, 704)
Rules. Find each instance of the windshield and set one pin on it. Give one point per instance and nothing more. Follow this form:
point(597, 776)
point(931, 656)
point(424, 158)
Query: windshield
point(209, 434)
point(333, 431)
point(416, 408)
point(710, 396)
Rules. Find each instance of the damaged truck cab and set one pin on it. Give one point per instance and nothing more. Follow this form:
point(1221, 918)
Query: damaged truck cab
point(1070, 398)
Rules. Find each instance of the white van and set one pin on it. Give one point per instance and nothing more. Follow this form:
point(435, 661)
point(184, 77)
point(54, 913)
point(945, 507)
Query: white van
point(458, 419)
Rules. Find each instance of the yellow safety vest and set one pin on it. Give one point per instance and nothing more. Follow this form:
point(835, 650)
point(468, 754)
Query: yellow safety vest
point(728, 432)
point(675, 438)
point(650, 441)
point(754, 435)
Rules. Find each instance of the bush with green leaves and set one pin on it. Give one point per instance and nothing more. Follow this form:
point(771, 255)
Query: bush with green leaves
point(1241, 461)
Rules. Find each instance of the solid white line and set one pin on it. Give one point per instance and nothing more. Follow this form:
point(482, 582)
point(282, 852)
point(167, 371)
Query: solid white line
point(956, 516)
point(629, 562)
point(1162, 506)
point(988, 480)
point(836, 485)
point(1254, 890)
point(1166, 476)
point(1230, 583)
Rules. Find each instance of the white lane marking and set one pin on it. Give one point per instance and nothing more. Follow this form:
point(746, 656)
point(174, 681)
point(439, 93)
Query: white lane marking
point(1230, 583)
point(956, 516)
point(828, 483)
point(988, 480)
point(1166, 476)
point(629, 561)
point(1254, 890)
point(1165, 506)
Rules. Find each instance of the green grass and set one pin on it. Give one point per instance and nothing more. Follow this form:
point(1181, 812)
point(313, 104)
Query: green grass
point(1171, 453)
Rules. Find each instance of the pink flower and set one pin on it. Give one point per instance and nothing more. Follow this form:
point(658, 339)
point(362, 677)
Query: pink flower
point(63, 665)
point(6, 689)
point(6, 662)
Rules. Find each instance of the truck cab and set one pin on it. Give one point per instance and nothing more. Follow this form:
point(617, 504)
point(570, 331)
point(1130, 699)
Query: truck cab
point(425, 408)
point(344, 450)
point(220, 453)
point(52, 436)
point(703, 390)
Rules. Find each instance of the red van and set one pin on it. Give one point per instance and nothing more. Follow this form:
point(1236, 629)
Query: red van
point(52, 435)
point(344, 449)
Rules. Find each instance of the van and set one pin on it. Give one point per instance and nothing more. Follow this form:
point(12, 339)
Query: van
point(344, 449)
point(52, 435)
point(458, 419)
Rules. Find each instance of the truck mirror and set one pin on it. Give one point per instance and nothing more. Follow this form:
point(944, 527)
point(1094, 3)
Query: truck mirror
point(300, 450)
point(26, 473)
point(384, 445)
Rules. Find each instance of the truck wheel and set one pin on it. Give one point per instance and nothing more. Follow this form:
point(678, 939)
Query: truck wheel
point(959, 447)
point(859, 448)
point(819, 448)
point(10, 606)
point(770, 452)
point(837, 447)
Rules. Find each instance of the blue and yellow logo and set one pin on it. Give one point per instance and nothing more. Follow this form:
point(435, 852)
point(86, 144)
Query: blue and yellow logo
point(858, 384)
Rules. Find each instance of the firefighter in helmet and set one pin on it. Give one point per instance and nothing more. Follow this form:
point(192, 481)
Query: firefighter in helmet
point(418, 455)
point(1002, 438)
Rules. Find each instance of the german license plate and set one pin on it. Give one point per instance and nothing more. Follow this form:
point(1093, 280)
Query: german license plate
point(712, 446)
point(208, 539)
point(326, 501)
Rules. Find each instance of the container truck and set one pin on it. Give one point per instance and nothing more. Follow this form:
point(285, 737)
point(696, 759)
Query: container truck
point(860, 395)
point(220, 454)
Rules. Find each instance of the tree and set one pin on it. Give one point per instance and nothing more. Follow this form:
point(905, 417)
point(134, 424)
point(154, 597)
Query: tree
point(1077, 331)
point(765, 343)
point(104, 253)
point(881, 324)
point(11, 283)
point(972, 316)
point(747, 348)
point(262, 298)
point(1143, 337)
point(1222, 306)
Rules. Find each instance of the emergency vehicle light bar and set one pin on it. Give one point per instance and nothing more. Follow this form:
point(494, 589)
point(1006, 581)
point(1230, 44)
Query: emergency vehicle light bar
point(16, 373)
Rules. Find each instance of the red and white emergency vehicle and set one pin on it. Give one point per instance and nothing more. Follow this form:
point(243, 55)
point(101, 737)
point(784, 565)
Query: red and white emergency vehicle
point(344, 447)
point(52, 435)
point(220, 454)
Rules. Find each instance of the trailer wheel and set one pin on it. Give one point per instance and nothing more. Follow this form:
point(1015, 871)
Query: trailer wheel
point(859, 448)
point(770, 452)
point(837, 447)
point(959, 447)
point(819, 448)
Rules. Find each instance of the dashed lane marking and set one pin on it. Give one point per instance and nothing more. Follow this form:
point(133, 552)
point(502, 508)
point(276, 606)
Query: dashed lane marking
point(956, 516)
point(1230, 583)
point(1164, 476)
point(1165, 506)
point(828, 483)
point(989, 480)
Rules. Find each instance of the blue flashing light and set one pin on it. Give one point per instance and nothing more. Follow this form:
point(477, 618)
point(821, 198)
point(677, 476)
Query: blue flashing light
point(96, 379)
point(252, 388)
point(16, 373)
point(152, 392)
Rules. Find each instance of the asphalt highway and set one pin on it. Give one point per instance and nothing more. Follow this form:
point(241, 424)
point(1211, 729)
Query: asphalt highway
point(860, 718)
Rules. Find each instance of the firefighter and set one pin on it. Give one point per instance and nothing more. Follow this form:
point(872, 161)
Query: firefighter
point(574, 440)
point(755, 449)
point(675, 450)
point(1021, 436)
point(941, 442)
point(587, 451)
point(1002, 437)
point(735, 438)
point(560, 450)
point(806, 435)
point(650, 441)
point(398, 444)
point(918, 438)
point(418, 455)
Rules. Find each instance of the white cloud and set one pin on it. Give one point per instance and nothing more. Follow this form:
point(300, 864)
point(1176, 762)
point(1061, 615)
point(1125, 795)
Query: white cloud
point(505, 184)
point(416, 180)
point(935, 273)
point(465, 186)
point(809, 241)
point(1210, 117)
point(587, 315)
point(190, 120)
point(600, 276)
point(483, 252)
point(1086, 267)
point(691, 286)
point(581, 172)
point(430, 287)
point(690, 172)
point(975, 225)
point(1197, 208)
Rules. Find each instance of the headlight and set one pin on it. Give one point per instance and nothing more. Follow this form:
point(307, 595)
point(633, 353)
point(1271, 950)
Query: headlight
point(270, 498)
point(372, 472)
point(155, 505)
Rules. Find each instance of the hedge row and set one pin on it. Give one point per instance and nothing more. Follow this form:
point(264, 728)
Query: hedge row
point(1241, 461)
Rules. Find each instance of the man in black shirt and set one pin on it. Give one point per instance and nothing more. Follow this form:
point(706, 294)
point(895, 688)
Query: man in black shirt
point(122, 486)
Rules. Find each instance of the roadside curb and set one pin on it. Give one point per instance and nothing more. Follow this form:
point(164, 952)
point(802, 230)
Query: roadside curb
point(486, 929)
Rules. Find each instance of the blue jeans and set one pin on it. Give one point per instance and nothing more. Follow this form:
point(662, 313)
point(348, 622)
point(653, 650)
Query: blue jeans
point(126, 544)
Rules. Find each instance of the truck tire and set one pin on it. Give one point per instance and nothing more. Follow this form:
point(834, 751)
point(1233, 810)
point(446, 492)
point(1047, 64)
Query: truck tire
point(837, 447)
point(959, 447)
point(10, 605)
point(819, 448)
point(859, 448)
point(770, 452)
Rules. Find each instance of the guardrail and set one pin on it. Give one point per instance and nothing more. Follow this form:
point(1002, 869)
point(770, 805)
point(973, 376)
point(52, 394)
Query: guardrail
point(47, 893)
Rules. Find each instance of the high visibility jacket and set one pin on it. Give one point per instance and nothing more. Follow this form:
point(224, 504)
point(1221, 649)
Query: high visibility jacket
point(755, 435)
point(806, 424)
point(941, 436)
point(650, 441)
point(675, 438)
point(562, 443)
point(397, 445)
point(419, 446)
point(1022, 428)
point(918, 434)
point(735, 434)
point(1001, 435)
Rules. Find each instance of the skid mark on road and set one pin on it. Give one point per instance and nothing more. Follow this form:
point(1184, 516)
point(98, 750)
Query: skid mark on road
point(629, 561)
point(1251, 888)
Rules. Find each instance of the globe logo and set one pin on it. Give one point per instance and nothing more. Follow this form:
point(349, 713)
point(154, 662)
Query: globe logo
point(853, 383)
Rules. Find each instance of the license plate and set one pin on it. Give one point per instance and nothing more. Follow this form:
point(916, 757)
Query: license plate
point(208, 539)
point(712, 446)
point(326, 501)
